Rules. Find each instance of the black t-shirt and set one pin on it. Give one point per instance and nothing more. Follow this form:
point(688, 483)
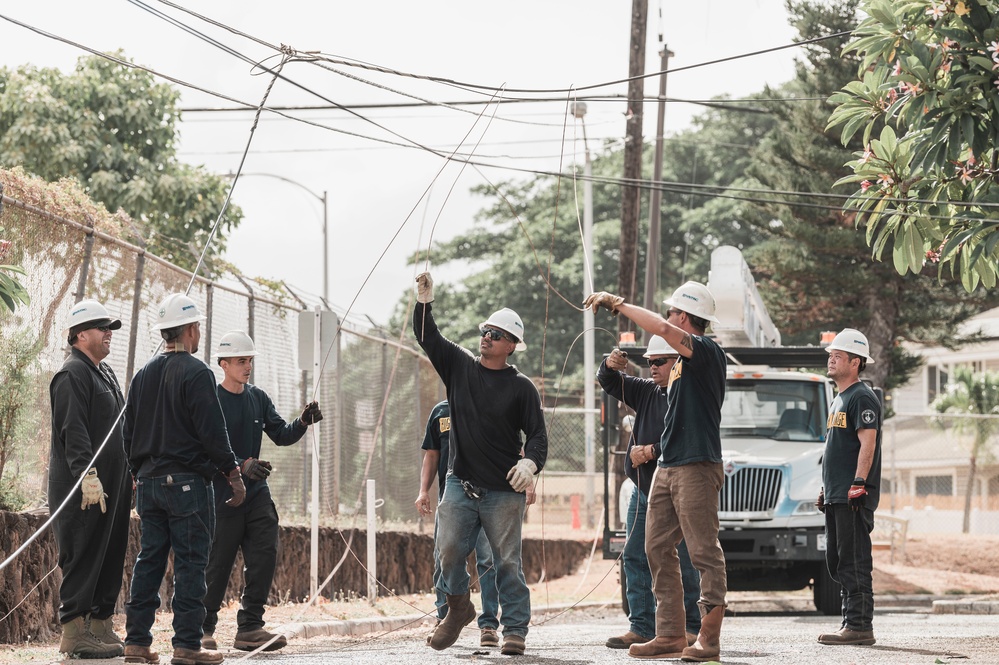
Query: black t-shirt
point(437, 438)
point(693, 419)
point(490, 408)
point(248, 415)
point(650, 403)
point(854, 409)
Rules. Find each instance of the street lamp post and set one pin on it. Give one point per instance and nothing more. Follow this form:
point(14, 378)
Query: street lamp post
point(322, 199)
point(578, 110)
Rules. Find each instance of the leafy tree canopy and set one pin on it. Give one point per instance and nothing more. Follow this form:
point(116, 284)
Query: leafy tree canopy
point(926, 103)
point(113, 128)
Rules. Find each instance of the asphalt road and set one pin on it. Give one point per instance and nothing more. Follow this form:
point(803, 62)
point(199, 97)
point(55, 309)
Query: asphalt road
point(905, 636)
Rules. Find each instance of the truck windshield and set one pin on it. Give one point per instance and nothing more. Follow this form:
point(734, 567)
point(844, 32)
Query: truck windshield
point(774, 409)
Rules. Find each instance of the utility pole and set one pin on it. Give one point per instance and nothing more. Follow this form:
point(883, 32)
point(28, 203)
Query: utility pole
point(655, 202)
point(630, 193)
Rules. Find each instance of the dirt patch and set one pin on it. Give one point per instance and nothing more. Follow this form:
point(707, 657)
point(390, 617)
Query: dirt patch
point(940, 564)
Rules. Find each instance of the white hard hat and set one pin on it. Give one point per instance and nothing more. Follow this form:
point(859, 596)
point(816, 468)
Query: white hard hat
point(659, 347)
point(508, 320)
point(176, 310)
point(235, 344)
point(694, 298)
point(851, 341)
point(92, 312)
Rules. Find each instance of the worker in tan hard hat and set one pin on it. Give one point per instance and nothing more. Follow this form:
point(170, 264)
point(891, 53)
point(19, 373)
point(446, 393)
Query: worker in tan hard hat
point(175, 437)
point(92, 529)
point(683, 497)
point(250, 528)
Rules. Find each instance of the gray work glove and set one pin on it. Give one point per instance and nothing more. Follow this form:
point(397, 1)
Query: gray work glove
point(603, 299)
point(311, 415)
point(93, 491)
point(238, 488)
point(820, 503)
point(424, 288)
point(255, 469)
point(521, 475)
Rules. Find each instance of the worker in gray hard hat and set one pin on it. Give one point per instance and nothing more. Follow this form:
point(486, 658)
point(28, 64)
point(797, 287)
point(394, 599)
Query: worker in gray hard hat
point(683, 497)
point(252, 527)
point(175, 438)
point(851, 482)
point(92, 529)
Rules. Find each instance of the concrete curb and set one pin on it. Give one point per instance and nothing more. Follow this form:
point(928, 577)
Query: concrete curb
point(355, 627)
point(967, 605)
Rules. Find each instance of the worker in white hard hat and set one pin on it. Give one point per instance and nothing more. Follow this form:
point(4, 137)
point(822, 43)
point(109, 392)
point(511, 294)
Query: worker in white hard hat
point(492, 404)
point(648, 398)
point(252, 527)
point(175, 437)
point(92, 529)
point(851, 485)
point(683, 497)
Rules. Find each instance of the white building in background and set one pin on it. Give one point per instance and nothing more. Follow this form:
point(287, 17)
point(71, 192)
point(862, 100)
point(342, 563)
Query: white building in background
point(927, 464)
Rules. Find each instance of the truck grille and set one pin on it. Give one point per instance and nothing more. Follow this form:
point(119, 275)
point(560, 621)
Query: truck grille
point(750, 489)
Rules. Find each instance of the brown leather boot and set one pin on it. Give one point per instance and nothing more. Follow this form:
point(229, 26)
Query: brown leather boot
point(182, 656)
point(659, 647)
point(254, 639)
point(460, 612)
point(708, 644)
point(139, 654)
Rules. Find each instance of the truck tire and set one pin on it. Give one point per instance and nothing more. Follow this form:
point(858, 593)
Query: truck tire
point(624, 589)
point(826, 593)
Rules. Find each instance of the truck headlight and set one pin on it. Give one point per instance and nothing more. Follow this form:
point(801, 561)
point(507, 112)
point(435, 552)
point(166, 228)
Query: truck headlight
point(806, 508)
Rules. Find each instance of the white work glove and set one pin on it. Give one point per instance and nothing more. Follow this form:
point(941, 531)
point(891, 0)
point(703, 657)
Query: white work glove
point(522, 474)
point(424, 288)
point(93, 491)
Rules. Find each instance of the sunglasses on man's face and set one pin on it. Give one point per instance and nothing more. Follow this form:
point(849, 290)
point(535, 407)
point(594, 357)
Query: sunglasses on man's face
point(659, 362)
point(493, 334)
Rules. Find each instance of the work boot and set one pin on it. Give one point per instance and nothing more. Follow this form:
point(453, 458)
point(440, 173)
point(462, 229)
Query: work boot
point(182, 656)
point(488, 638)
point(513, 645)
point(78, 642)
point(432, 631)
point(848, 636)
point(139, 654)
point(708, 643)
point(659, 647)
point(625, 641)
point(253, 639)
point(103, 630)
point(460, 611)
point(208, 640)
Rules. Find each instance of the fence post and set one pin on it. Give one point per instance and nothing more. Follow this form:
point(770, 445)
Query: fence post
point(250, 315)
point(337, 423)
point(209, 308)
point(133, 326)
point(88, 251)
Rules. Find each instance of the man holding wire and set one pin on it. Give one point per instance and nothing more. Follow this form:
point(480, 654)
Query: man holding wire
point(252, 526)
point(491, 404)
point(648, 398)
point(92, 529)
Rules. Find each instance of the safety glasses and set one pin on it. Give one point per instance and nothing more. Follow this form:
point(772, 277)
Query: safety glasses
point(495, 335)
point(659, 362)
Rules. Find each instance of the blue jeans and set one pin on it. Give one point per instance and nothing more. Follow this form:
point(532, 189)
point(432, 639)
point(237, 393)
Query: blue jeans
point(500, 516)
point(487, 582)
point(638, 577)
point(177, 511)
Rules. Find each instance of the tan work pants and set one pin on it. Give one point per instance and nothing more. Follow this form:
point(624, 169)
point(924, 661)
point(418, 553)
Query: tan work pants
point(683, 504)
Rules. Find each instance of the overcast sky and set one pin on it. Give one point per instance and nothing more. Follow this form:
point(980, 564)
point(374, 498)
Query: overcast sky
point(373, 186)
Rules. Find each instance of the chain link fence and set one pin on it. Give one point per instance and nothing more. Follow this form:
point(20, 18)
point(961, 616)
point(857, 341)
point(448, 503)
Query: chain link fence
point(375, 391)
